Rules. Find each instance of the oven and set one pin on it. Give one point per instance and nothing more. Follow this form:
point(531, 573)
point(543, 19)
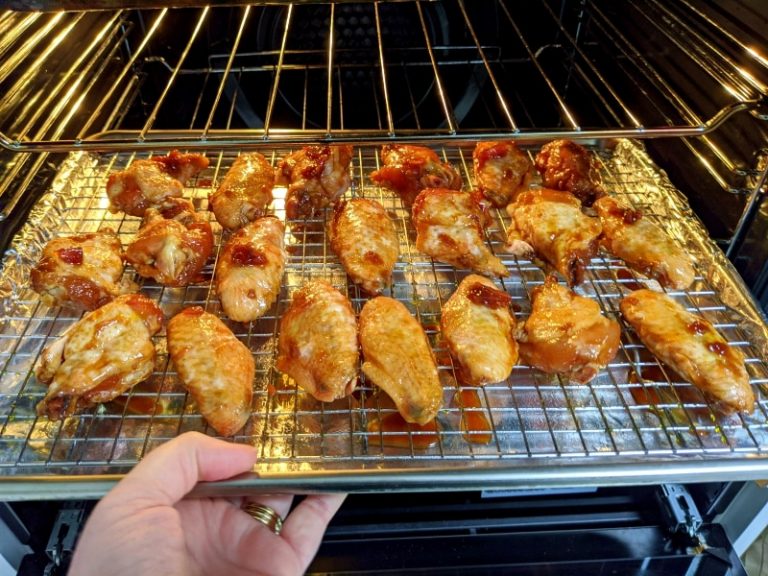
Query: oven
point(634, 472)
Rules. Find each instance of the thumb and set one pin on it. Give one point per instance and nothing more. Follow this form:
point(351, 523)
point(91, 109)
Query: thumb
point(170, 471)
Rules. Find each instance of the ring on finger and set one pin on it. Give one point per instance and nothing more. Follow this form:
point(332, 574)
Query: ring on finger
point(266, 515)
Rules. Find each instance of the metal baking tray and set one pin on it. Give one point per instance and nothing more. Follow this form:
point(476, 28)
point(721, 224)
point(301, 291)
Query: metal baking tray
point(636, 423)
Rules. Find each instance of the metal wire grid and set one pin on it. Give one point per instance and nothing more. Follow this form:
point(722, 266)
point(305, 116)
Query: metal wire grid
point(635, 408)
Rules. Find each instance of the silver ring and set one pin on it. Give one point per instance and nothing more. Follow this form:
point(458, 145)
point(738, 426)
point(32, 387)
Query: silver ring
point(265, 515)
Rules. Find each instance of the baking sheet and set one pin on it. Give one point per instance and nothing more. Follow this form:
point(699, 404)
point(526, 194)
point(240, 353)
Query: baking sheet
point(636, 412)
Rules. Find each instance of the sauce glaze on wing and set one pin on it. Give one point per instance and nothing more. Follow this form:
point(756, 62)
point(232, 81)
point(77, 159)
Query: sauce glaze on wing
point(502, 171)
point(245, 192)
point(565, 165)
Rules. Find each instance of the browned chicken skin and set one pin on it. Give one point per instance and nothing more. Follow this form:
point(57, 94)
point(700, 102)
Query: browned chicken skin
point(408, 169)
point(245, 192)
point(365, 240)
point(449, 228)
point(565, 165)
point(82, 270)
point(552, 224)
point(104, 354)
point(566, 334)
point(316, 176)
point(149, 183)
point(643, 245)
point(318, 342)
point(172, 245)
point(399, 360)
point(478, 328)
point(691, 346)
point(250, 269)
point(214, 366)
point(502, 171)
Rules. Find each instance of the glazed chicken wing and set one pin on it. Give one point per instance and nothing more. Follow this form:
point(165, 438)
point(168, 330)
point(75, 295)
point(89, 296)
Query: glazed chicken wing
point(172, 245)
point(150, 183)
point(552, 224)
point(449, 228)
point(399, 360)
point(214, 366)
point(104, 354)
point(477, 326)
point(502, 171)
point(250, 269)
point(245, 192)
point(318, 342)
point(365, 240)
point(566, 334)
point(565, 165)
point(82, 270)
point(408, 169)
point(316, 176)
point(643, 245)
point(691, 346)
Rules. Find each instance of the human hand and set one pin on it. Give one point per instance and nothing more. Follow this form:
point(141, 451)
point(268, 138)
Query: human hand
point(144, 526)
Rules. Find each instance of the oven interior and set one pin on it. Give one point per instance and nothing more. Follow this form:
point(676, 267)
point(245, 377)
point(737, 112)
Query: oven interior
point(686, 79)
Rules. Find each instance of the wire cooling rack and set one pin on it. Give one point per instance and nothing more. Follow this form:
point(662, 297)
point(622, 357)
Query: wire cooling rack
point(636, 413)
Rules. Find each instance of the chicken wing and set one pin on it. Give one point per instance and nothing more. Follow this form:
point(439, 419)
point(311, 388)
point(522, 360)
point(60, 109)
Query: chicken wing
point(643, 245)
point(245, 192)
point(101, 356)
point(149, 183)
point(399, 360)
point(172, 245)
point(83, 270)
point(691, 346)
point(449, 228)
point(565, 165)
point(250, 269)
point(566, 334)
point(214, 366)
point(552, 224)
point(477, 326)
point(318, 342)
point(316, 177)
point(365, 240)
point(502, 171)
point(407, 170)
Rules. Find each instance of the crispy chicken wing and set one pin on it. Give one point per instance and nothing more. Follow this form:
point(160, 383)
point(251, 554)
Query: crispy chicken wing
point(83, 270)
point(172, 245)
point(318, 342)
point(565, 165)
point(399, 360)
point(245, 192)
point(691, 346)
point(502, 171)
point(104, 354)
point(316, 176)
point(250, 269)
point(214, 366)
point(566, 334)
point(449, 228)
point(552, 224)
point(408, 169)
point(643, 245)
point(149, 183)
point(477, 326)
point(365, 240)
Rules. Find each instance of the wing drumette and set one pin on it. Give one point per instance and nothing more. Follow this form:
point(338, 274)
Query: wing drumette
point(104, 354)
point(565, 165)
point(214, 366)
point(250, 269)
point(318, 342)
point(365, 240)
point(477, 326)
point(449, 228)
point(245, 192)
point(82, 270)
point(502, 171)
point(566, 334)
point(691, 346)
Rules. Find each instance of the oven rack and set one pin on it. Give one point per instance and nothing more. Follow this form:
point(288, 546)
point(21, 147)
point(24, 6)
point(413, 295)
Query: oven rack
point(636, 423)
